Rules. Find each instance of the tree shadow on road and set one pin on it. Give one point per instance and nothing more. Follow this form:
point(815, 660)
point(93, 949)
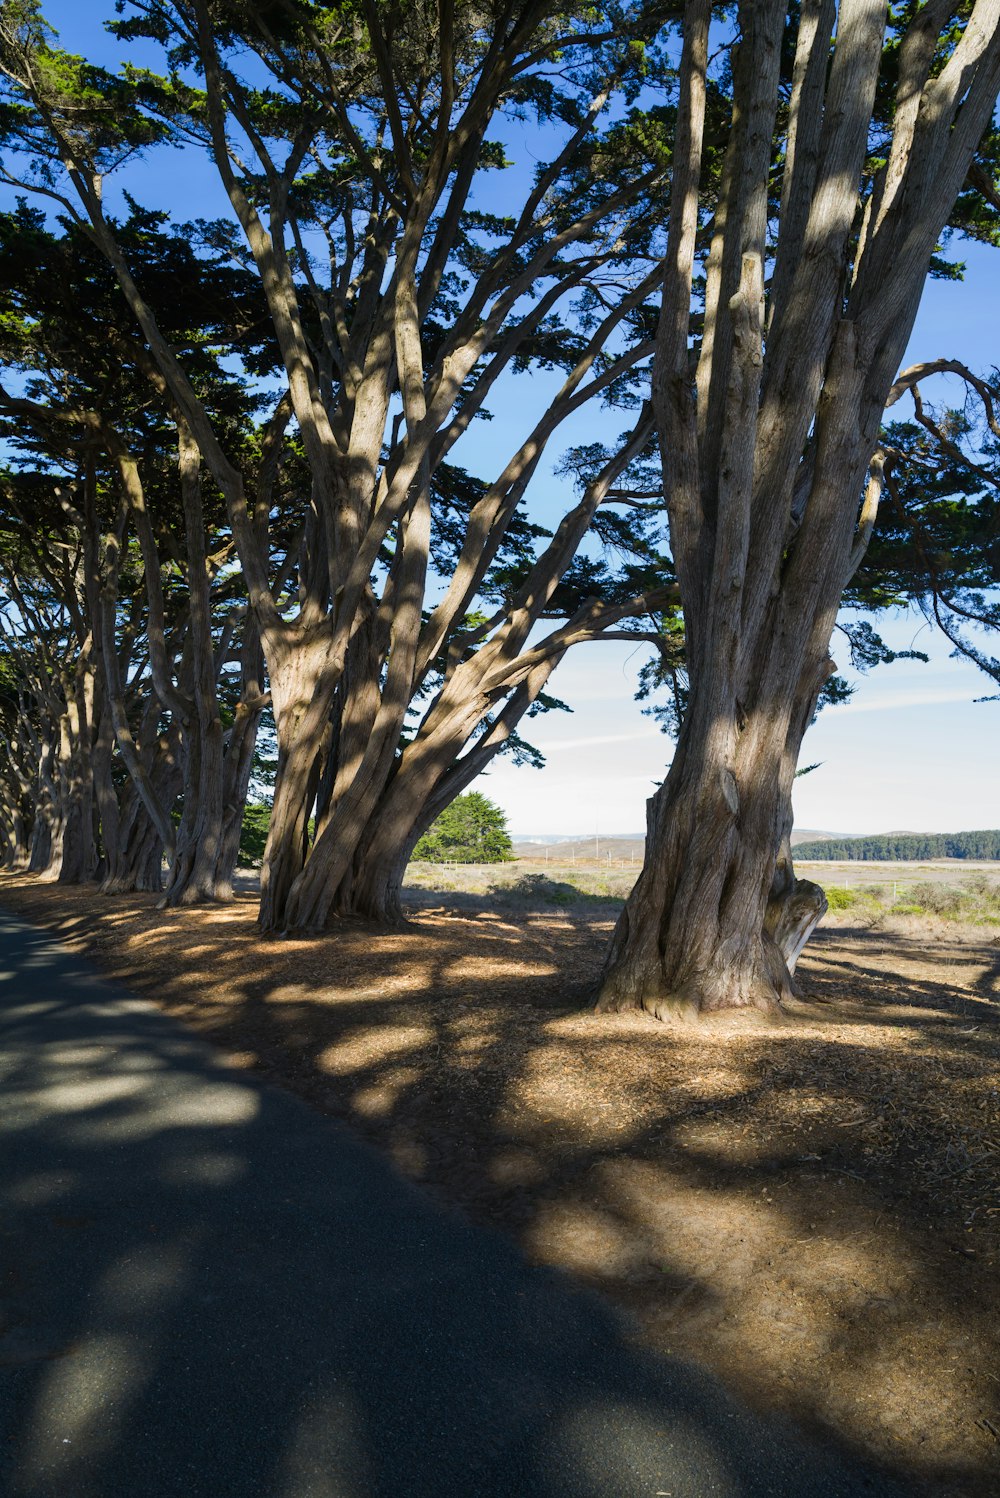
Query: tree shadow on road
point(209, 1290)
point(755, 1202)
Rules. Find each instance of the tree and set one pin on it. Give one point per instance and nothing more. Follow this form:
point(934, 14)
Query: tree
point(47, 802)
point(768, 430)
point(106, 510)
point(352, 150)
point(472, 829)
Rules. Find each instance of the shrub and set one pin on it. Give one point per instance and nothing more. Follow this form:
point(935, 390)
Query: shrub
point(937, 899)
point(838, 898)
point(538, 887)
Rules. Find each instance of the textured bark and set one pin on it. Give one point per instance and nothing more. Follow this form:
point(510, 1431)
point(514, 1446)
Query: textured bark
point(765, 456)
point(40, 851)
point(196, 873)
point(301, 693)
point(138, 862)
point(16, 836)
point(795, 906)
point(701, 930)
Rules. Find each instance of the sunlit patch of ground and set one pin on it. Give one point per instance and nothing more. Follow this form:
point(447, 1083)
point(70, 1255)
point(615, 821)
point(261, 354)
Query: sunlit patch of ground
point(811, 1207)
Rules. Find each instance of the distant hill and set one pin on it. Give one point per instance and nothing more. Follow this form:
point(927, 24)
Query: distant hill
point(620, 848)
point(902, 847)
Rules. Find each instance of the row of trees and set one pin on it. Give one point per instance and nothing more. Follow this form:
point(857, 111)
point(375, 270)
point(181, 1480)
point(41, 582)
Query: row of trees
point(235, 486)
point(905, 846)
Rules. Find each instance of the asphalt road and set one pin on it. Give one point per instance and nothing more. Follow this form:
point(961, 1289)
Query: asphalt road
point(208, 1290)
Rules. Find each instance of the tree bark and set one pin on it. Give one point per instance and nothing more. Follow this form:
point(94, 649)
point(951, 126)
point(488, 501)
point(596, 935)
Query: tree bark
point(301, 695)
point(765, 450)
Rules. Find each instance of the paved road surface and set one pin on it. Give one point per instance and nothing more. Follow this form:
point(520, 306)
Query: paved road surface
point(208, 1291)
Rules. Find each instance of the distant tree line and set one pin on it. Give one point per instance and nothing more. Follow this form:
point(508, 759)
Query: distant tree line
point(904, 847)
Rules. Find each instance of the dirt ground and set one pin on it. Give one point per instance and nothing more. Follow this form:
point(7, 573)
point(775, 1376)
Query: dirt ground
point(810, 1207)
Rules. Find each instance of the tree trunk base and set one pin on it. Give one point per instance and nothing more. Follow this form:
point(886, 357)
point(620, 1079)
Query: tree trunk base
point(643, 977)
point(381, 907)
point(698, 999)
point(219, 892)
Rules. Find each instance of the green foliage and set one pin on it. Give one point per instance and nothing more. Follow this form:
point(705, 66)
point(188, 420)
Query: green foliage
point(903, 847)
point(975, 901)
point(253, 836)
point(472, 829)
point(838, 898)
point(937, 535)
point(937, 899)
point(866, 903)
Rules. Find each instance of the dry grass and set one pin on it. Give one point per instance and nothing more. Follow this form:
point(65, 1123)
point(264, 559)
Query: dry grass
point(811, 1208)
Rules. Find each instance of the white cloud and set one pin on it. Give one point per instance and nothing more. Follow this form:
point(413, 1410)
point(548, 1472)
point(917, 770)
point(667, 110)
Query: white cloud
point(550, 746)
point(893, 702)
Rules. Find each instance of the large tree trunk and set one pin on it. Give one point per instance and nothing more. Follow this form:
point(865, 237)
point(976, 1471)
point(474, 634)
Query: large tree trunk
point(373, 888)
point(372, 719)
point(717, 919)
point(16, 838)
point(134, 861)
point(133, 845)
point(379, 805)
point(237, 772)
point(692, 935)
point(302, 688)
point(50, 824)
point(194, 875)
point(40, 852)
point(765, 449)
point(138, 865)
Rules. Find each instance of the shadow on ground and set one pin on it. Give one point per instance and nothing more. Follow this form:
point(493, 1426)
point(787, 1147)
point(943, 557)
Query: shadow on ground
point(756, 1203)
point(209, 1290)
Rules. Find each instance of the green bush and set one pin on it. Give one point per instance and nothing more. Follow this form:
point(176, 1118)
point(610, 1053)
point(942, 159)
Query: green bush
point(838, 898)
point(937, 899)
point(976, 900)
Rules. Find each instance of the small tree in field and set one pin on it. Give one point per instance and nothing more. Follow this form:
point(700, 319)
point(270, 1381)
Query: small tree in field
point(472, 829)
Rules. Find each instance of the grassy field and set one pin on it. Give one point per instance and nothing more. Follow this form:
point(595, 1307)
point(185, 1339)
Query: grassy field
point(870, 894)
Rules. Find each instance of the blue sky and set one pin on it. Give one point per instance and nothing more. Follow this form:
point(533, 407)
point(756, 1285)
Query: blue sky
point(912, 750)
